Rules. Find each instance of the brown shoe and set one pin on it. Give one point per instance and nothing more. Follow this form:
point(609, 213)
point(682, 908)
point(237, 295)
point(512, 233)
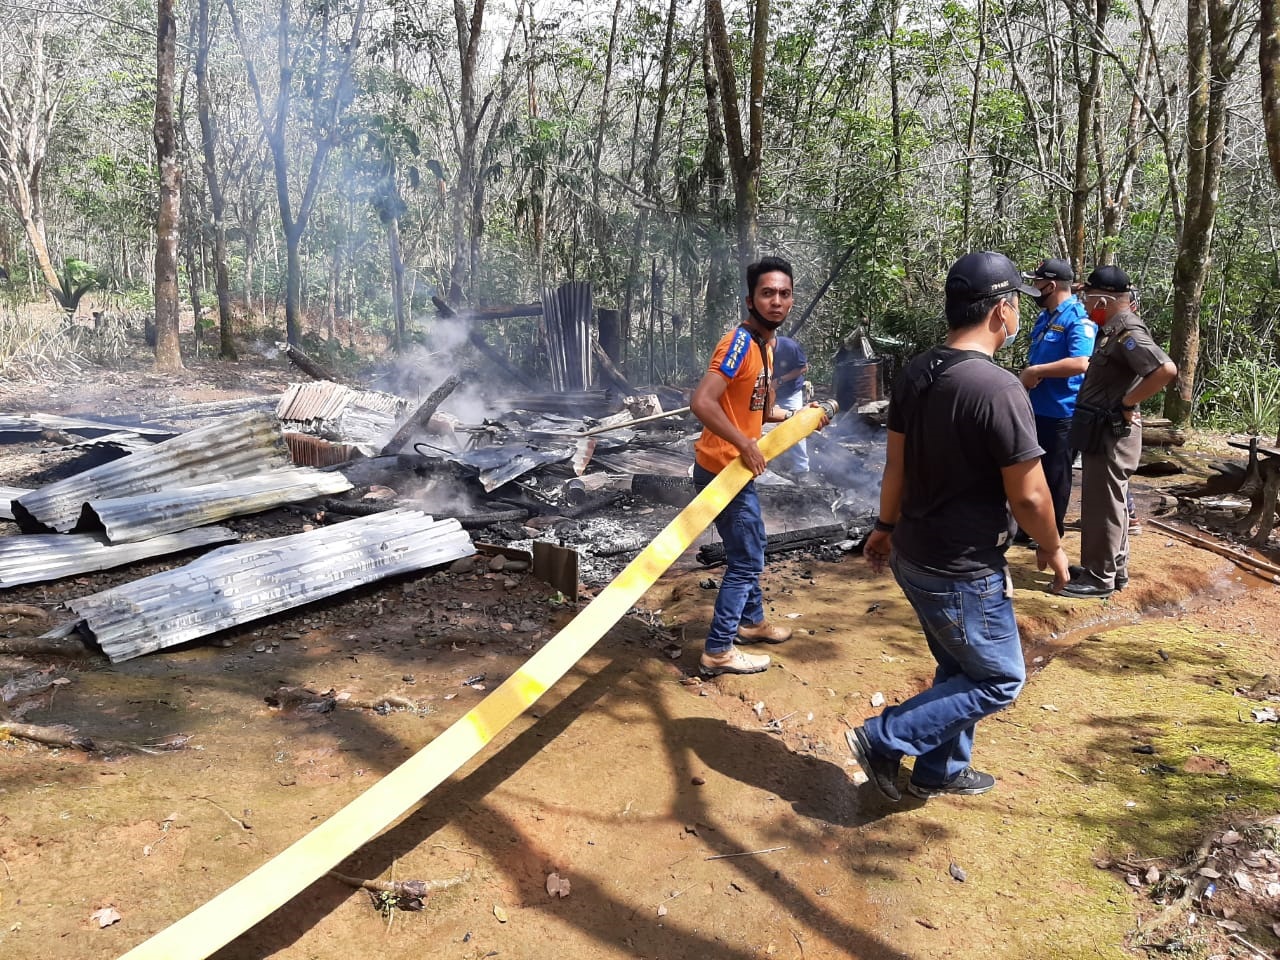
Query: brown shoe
point(764, 631)
point(733, 661)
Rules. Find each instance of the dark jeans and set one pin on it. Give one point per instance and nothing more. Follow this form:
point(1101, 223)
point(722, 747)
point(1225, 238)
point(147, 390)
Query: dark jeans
point(1051, 434)
point(741, 529)
point(973, 636)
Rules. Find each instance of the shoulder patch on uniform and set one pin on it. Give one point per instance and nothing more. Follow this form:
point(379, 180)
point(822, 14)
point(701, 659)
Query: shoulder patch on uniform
point(1131, 344)
point(736, 353)
point(1089, 328)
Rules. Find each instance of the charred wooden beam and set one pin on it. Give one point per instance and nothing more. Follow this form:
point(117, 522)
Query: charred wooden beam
point(419, 418)
point(712, 553)
point(310, 367)
point(499, 311)
point(505, 365)
point(610, 371)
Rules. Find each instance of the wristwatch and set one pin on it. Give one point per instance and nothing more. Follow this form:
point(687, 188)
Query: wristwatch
point(1128, 406)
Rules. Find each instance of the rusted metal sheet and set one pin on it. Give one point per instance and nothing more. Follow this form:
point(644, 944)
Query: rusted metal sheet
point(7, 496)
point(126, 519)
point(49, 556)
point(238, 446)
point(239, 584)
point(309, 451)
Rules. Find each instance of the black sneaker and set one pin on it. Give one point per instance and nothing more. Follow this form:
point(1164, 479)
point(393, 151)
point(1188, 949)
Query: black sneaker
point(1087, 587)
point(1077, 571)
point(880, 770)
point(967, 783)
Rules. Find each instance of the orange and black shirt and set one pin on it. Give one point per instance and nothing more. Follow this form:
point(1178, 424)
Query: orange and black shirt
point(746, 363)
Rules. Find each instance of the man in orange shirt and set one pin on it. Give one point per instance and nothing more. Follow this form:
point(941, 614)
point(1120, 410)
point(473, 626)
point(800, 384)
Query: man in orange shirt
point(734, 400)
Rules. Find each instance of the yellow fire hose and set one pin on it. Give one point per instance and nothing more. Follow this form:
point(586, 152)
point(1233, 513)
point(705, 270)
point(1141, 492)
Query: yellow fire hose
point(283, 877)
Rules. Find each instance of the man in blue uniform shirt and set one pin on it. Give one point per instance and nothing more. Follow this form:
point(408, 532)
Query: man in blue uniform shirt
point(1061, 344)
point(789, 367)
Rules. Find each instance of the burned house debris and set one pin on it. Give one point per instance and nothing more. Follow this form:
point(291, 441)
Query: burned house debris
point(367, 484)
point(238, 584)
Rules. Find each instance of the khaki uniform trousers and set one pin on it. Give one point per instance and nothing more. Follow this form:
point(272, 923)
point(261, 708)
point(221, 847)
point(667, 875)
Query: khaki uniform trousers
point(1104, 514)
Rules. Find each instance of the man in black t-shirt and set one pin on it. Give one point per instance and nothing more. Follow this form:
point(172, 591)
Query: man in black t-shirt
point(962, 451)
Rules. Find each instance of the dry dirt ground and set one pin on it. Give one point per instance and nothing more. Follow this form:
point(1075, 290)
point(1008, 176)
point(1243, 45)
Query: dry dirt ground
point(1134, 761)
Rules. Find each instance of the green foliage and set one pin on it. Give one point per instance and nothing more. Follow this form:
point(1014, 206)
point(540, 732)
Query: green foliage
point(1243, 396)
point(77, 279)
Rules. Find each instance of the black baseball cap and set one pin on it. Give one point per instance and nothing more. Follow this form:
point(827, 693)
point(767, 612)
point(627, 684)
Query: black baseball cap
point(1109, 278)
point(976, 276)
point(1053, 269)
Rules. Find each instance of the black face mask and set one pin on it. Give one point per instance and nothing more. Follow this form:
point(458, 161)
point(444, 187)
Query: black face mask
point(1040, 296)
point(767, 324)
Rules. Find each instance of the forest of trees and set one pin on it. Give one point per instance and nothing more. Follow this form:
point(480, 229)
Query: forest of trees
point(320, 169)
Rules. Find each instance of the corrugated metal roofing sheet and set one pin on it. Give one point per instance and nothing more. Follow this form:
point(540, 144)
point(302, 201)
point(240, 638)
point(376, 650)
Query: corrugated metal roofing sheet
point(305, 402)
point(238, 446)
point(17, 427)
point(7, 496)
point(151, 514)
point(190, 415)
point(41, 557)
point(665, 461)
point(239, 584)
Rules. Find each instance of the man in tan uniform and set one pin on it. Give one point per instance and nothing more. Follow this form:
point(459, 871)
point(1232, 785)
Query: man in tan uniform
point(1126, 368)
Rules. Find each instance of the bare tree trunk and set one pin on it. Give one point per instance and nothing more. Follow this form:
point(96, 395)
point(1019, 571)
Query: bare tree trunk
point(397, 280)
point(1212, 28)
point(191, 253)
point(330, 95)
point(1269, 59)
point(469, 34)
point(1088, 90)
point(720, 302)
point(604, 108)
point(168, 354)
point(971, 129)
point(217, 202)
point(24, 137)
point(744, 148)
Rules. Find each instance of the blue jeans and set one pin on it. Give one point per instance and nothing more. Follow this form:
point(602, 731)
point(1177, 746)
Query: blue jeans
point(973, 636)
point(741, 529)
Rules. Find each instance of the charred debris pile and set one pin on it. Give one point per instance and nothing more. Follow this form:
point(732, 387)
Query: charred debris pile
point(356, 485)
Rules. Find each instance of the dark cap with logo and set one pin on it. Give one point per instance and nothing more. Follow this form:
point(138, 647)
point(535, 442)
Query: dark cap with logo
point(1111, 279)
point(976, 276)
point(1053, 269)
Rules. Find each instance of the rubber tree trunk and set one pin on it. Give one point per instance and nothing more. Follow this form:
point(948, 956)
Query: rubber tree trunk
point(168, 354)
point(1210, 64)
point(293, 287)
point(217, 202)
point(1269, 59)
point(397, 280)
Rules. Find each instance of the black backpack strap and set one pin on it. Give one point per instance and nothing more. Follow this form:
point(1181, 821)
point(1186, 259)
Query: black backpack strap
point(925, 378)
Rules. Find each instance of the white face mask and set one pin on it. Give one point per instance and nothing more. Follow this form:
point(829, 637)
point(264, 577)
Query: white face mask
point(1010, 337)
